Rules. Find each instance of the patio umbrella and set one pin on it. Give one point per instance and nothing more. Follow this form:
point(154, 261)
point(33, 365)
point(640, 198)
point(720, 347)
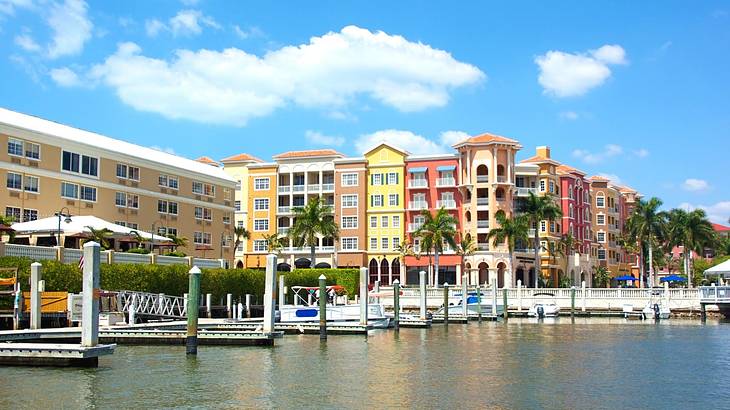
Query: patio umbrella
point(673, 278)
point(626, 278)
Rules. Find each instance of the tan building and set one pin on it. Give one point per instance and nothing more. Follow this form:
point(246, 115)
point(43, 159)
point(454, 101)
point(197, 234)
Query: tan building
point(261, 218)
point(350, 211)
point(50, 168)
point(608, 225)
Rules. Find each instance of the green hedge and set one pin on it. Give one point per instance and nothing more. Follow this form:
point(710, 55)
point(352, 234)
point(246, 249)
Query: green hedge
point(173, 279)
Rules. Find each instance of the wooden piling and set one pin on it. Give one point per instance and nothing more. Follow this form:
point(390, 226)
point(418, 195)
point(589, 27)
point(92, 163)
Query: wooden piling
point(364, 296)
point(229, 305)
point(270, 294)
point(248, 306)
point(35, 295)
point(494, 299)
point(90, 310)
point(504, 302)
point(572, 301)
point(322, 307)
point(396, 304)
point(446, 303)
point(282, 296)
point(422, 287)
point(465, 294)
point(479, 303)
point(191, 342)
point(208, 305)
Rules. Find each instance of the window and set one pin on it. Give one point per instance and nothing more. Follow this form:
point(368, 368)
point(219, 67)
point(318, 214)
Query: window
point(601, 237)
point(15, 147)
point(552, 187)
point(261, 204)
point(133, 173)
point(30, 215)
point(601, 219)
point(376, 200)
point(376, 179)
point(70, 161)
point(207, 214)
point(259, 245)
point(239, 224)
point(120, 223)
point(600, 201)
point(15, 181)
point(396, 242)
point(172, 208)
point(122, 171)
point(349, 222)
point(373, 221)
point(349, 179)
point(133, 201)
point(161, 181)
point(131, 225)
point(261, 184)
point(602, 254)
point(226, 219)
point(570, 192)
point(73, 162)
point(543, 226)
point(396, 221)
point(392, 178)
point(12, 212)
point(373, 243)
point(384, 243)
point(393, 199)
point(88, 193)
point(384, 221)
point(417, 245)
point(237, 206)
point(348, 244)
point(120, 199)
point(202, 238)
point(260, 225)
point(197, 187)
point(171, 231)
point(172, 182)
point(349, 201)
point(209, 189)
point(198, 212)
point(226, 194)
point(542, 186)
point(69, 190)
point(162, 206)
point(31, 184)
point(552, 226)
point(89, 166)
point(572, 213)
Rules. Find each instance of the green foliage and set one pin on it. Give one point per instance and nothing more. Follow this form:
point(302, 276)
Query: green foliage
point(142, 251)
point(699, 267)
point(173, 279)
point(179, 254)
point(601, 277)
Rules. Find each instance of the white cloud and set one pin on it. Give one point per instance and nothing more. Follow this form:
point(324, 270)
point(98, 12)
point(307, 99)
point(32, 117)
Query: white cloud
point(250, 32)
point(718, 212)
point(153, 27)
point(190, 2)
point(567, 75)
point(317, 138)
point(125, 22)
point(641, 152)
point(615, 179)
point(9, 6)
point(569, 115)
point(330, 72)
point(609, 151)
point(65, 77)
point(71, 28)
point(449, 138)
point(26, 42)
point(411, 142)
point(695, 185)
point(188, 22)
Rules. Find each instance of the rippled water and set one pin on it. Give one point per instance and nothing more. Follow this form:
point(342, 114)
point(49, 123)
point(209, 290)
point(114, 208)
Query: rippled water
point(589, 364)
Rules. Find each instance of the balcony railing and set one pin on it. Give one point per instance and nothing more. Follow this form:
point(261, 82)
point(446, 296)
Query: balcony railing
point(482, 201)
point(298, 188)
point(525, 250)
point(482, 178)
point(414, 226)
point(483, 246)
point(282, 230)
point(501, 179)
point(417, 205)
point(417, 183)
point(482, 224)
point(447, 203)
point(531, 233)
point(313, 187)
point(526, 191)
point(305, 249)
point(446, 182)
point(284, 189)
point(328, 187)
point(284, 209)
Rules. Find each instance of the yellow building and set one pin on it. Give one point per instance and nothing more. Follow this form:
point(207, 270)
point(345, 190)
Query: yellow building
point(236, 167)
point(385, 211)
point(261, 218)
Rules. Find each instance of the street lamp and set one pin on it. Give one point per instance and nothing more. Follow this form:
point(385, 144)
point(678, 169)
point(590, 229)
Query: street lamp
point(59, 214)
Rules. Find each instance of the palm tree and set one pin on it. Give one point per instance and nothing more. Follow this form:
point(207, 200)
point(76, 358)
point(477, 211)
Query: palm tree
point(436, 230)
point(100, 236)
point(566, 247)
point(273, 243)
point(240, 233)
point(405, 249)
point(178, 241)
point(647, 225)
point(511, 230)
point(540, 208)
point(466, 248)
point(310, 222)
point(631, 246)
point(693, 231)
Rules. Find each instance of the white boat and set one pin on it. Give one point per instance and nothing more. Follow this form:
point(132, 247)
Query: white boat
point(656, 310)
point(308, 310)
point(544, 308)
point(472, 307)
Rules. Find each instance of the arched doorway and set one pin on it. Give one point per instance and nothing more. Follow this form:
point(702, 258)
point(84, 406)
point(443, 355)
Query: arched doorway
point(373, 270)
point(501, 268)
point(483, 273)
point(530, 278)
point(384, 272)
point(302, 263)
point(239, 265)
point(395, 268)
point(283, 267)
point(467, 270)
point(520, 276)
point(582, 277)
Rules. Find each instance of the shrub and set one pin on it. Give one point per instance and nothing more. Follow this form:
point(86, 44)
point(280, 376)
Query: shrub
point(142, 251)
point(179, 254)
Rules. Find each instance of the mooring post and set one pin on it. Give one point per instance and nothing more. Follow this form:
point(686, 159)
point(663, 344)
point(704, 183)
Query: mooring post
point(364, 296)
point(583, 295)
point(446, 303)
point(422, 288)
point(209, 305)
point(479, 302)
point(191, 343)
point(396, 304)
point(494, 300)
point(17, 310)
point(465, 294)
point(506, 305)
point(322, 307)
point(519, 295)
point(35, 295)
point(229, 305)
point(185, 302)
point(248, 306)
point(282, 295)
point(132, 310)
point(240, 311)
point(376, 290)
point(270, 294)
point(90, 310)
point(572, 301)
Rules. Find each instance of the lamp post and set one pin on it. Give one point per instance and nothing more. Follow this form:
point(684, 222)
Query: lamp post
point(67, 220)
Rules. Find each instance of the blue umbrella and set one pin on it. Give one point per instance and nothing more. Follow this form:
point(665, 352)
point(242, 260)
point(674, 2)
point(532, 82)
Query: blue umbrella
point(626, 278)
point(673, 278)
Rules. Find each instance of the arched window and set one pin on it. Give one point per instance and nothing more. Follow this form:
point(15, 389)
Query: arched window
point(384, 272)
point(395, 267)
point(373, 270)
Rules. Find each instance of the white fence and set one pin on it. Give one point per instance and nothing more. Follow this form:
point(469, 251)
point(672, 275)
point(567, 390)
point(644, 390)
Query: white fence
point(170, 260)
point(33, 252)
point(138, 258)
point(207, 263)
point(524, 298)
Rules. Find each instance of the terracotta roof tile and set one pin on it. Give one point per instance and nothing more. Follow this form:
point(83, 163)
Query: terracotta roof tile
point(567, 169)
point(598, 178)
point(720, 228)
point(207, 160)
point(241, 158)
point(309, 153)
point(487, 138)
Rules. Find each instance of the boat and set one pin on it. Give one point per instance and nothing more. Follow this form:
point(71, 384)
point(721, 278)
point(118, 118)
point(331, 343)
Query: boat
point(306, 310)
point(472, 307)
point(544, 308)
point(656, 310)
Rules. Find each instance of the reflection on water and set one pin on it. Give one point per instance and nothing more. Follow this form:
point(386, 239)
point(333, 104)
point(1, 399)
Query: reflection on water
point(588, 363)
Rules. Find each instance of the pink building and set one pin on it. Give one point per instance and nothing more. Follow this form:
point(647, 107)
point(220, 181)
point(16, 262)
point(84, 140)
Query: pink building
point(576, 205)
point(432, 184)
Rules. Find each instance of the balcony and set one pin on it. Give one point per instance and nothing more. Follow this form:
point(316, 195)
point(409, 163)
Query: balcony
point(483, 224)
point(284, 210)
point(284, 189)
point(418, 183)
point(482, 201)
point(447, 203)
point(526, 191)
point(298, 188)
point(282, 230)
point(306, 250)
point(417, 205)
point(446, 182)
point(414, 226)
point(531, 233)
point(329, 187)
point(483, 247)
point(313, 187)
point(525, 250)
point(482, 179)
point(501, 179)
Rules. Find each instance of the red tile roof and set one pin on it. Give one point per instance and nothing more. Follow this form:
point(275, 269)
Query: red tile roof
point(241, 158)
point(487, 138)
point(309, 153)
point(720, 228)
point(207, 160)
point(567, 169)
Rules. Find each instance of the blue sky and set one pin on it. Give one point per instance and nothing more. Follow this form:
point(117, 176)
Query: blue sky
point(639, 91)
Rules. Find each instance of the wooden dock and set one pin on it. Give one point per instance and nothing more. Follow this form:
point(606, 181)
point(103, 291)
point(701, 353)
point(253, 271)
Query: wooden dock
point(49, 354)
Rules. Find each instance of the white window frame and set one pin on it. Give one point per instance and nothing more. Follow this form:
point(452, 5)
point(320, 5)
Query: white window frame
point(396, 221)
point(373, 222)
point(120, 199)
point(376, 200)
point(261, 225)
point(384, 242)
point(260, 204)
point(348, 222)
point(16, 176)
point(93, 189)
point(37, 189)
point(391, 197)
point(377, 179)
point(349, 179)
point(260, 245)
point(348, 243)
point(63, 191)
point(14, 142)
point(261, 184)
point(349, 200)
point(373, 243)
point(392, 178)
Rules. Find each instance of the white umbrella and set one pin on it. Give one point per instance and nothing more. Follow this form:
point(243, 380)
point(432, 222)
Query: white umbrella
point(722, 269)
point(78, 225)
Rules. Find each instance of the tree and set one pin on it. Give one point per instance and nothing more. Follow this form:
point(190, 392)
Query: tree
point(240, 233)
point(538, 209)
point(310, 222)
point(466, 248)
point(693, 232)
point(601, 277)
point(178, 241)
point(405, 249)
point(566, 248)
point(647, 225)
point(7, 221)
point(273, 243)
point(510, 231)
point(100, 236)
point(436, 230)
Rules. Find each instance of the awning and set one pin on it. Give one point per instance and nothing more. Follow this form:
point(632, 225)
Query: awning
point(446, 168)
point(673, 278)
point(626, 279)
point(722, 269)
point(417, 170)
point(79, 225)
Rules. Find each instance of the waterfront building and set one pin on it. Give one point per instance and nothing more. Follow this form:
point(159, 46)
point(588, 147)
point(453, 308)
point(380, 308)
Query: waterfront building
point(486, 175)
point(236, 167)
point(575, 201)
point(351, 183)
point(385, 211)
point(432, 184)
point(261, 218)
point(51, 168)
point(610, 212)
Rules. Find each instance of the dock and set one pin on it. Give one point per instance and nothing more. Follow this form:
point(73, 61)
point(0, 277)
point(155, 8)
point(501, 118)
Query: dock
point(50, 354)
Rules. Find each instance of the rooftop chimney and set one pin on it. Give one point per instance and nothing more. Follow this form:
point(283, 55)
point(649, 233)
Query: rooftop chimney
point(543, 152)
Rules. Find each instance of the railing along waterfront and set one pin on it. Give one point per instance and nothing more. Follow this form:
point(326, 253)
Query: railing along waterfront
point(152, 304)
point(714, 294)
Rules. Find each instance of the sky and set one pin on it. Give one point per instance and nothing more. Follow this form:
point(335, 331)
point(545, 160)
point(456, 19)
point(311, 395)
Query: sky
point(636, 91)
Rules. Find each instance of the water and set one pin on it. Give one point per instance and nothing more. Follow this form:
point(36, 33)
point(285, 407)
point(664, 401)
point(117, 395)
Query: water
point(590, 364)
